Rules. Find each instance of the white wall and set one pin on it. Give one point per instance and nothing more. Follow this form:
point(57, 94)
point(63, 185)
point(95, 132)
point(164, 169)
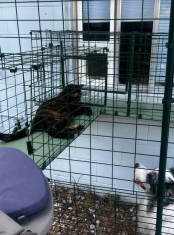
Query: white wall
point(18, 20)
point(126, 152)
point(50, 14)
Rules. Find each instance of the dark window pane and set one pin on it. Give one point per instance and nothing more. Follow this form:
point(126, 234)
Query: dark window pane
point(96, 31)
point(142, 51)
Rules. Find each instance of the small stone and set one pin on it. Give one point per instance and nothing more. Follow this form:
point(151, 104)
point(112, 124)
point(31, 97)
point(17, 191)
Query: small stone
point(62, 226)
point(91, 210)
point(92, 226)
point(97, 222)
point(70, 201)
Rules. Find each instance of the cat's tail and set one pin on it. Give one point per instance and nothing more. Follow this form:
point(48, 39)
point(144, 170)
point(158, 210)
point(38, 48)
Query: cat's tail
point(14, 136)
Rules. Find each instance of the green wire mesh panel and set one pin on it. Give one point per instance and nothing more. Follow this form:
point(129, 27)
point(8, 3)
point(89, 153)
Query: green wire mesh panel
point(133, 75)
point(116, 52)
point(64, 62)
point(46, 70)
point(15, 90)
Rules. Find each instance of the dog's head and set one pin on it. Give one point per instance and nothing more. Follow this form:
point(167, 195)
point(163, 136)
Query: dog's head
point(148, 181)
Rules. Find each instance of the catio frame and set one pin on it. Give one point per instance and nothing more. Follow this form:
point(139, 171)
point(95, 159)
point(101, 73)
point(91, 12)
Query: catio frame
point(61, 57)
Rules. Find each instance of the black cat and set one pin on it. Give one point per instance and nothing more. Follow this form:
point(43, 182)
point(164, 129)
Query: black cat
point(55, 115)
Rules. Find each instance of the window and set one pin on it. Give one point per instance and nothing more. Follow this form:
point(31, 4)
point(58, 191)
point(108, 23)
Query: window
point(131, 15)
point(96, 17)
point(142, 51)
point(136, 16)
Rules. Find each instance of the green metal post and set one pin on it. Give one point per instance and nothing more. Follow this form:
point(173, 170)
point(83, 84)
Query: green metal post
point(106, 86)
point(165, 121)
point(62, 65)
point(131, 74)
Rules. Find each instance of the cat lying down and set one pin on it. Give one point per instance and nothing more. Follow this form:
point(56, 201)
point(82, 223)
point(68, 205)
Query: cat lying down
point(55, 115)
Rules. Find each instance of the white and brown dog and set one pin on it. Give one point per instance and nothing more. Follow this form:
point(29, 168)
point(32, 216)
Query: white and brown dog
point(148, 180)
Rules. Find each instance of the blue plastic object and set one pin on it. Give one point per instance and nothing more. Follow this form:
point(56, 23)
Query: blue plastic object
point(23, 188)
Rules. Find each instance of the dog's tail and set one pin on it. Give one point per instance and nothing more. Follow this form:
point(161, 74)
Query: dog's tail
point(14, 136)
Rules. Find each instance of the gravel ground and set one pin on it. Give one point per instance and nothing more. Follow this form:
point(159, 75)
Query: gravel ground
point(81, 211)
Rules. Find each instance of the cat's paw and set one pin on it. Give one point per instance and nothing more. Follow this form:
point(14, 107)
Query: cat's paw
point(88, 111)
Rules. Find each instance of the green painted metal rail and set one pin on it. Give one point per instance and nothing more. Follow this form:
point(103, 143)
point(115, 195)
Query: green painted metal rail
point(165, 122)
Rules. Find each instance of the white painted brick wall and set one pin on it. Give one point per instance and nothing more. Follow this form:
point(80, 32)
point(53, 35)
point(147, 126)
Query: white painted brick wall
point(50, 16)
point(28, 17)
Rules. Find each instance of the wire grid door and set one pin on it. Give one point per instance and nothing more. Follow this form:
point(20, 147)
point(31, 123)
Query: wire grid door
point(118, 51)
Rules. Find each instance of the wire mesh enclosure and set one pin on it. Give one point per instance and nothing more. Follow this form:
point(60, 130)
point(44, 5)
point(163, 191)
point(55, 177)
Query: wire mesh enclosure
point(86, 92)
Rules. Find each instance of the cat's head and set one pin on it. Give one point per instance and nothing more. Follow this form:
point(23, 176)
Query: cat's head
point(73, 91)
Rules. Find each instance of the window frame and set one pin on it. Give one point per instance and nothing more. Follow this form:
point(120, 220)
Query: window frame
point(115, 12)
